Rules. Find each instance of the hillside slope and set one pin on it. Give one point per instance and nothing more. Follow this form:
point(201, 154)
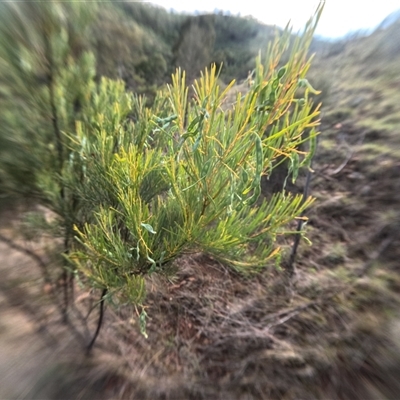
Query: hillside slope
point(143, 44)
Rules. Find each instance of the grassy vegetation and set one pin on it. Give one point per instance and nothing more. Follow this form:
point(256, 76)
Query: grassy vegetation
point(365, 82)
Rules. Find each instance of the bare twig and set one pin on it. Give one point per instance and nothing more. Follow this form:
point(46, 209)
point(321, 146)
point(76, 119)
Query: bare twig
point(349, 155)
point(375, 255)
point(344, 163)
point(46, 276)
point(290, 266)
point(287, 315)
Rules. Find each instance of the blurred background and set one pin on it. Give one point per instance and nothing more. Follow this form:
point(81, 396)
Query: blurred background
point(336, 333)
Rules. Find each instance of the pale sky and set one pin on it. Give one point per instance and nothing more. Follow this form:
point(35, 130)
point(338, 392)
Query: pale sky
point(339, 17)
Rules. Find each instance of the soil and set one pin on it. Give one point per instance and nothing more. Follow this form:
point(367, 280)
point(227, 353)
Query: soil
point(40, 356)
point(331, 331)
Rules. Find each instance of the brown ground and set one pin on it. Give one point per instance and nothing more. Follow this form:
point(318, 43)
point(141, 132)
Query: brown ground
point(332, 332)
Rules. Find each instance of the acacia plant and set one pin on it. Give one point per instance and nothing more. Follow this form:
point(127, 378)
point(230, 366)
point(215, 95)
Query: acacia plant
point(183, 176)
point(140, 186)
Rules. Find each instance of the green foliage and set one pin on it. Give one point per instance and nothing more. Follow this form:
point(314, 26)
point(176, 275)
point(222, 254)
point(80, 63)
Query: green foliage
point(44, 75)
point(183, 176)
point(140, 185)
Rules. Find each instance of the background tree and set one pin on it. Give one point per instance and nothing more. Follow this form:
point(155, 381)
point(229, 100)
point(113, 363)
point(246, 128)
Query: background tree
point(195, 45)
point(46, 79)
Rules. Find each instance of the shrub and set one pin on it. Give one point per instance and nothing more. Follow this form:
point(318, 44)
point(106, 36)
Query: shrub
point(138, 186)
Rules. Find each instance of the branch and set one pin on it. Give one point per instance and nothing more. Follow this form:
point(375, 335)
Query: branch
point(289, 267)
point(344, 163)
point(54, 115)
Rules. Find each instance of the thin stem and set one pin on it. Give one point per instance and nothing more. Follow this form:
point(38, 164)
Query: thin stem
point(289, 267)
point(66, 299)
point(99, 323)
point(54, 114)
point(67, 278)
